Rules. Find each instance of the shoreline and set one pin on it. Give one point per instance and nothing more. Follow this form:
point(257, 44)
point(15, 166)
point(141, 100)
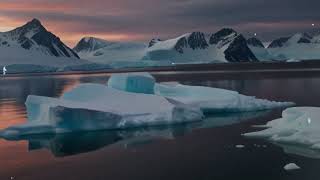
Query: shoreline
point(312, 66)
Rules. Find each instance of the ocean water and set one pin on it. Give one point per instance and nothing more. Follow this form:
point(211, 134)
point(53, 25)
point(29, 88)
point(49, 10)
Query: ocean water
point(212, 149)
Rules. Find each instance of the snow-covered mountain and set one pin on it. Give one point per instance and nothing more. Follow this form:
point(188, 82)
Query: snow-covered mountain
point(103, 51)
point(34, 37)
point(258, 49)
point(32, 48)
point(300, 46)
point(224, 46)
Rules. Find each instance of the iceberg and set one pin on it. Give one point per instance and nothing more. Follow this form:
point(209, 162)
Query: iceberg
point(91, 107)
point(133, 82)
point(298, 131)
point(213, 100)
point(209, 100)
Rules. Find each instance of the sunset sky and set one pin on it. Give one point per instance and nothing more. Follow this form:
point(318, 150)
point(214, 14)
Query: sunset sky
point(142, 20)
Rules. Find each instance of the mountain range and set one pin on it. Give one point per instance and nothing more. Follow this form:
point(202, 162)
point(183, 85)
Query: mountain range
point(33, 44)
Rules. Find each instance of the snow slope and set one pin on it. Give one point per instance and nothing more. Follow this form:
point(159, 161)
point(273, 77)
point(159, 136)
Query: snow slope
point(298, 131)
point(300, 46)
point(102, 51)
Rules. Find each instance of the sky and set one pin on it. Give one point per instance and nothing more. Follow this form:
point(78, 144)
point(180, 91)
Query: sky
point(142, 20)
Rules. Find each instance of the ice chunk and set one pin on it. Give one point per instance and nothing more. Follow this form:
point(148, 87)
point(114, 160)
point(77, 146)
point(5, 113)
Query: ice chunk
point(212, 100)
point(97, 107)
point(240, 146)
point(291, 167)
point(133, 82)
point(298, 127)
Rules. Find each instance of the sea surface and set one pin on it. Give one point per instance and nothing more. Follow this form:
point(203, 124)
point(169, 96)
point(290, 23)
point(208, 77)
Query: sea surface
point(208, 150)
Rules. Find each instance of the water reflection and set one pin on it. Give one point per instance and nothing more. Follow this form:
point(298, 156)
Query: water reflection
point(61, 145)
point(299, 150)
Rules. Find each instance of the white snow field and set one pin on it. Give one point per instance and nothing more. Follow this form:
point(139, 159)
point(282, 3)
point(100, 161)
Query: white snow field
point(96, 107)
point(209, 100)
point(298, 131)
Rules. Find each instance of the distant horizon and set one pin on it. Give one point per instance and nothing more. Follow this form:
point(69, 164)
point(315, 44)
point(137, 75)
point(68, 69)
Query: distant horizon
point(124, 20)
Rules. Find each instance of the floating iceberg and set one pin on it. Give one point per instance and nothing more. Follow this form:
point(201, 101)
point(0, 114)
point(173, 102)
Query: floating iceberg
point(299, 128)
point(209, 100)
point(212, 100)
point(129, 101)
point(96, 107)
point(133, 82)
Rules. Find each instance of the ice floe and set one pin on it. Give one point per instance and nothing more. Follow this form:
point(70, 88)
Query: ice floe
point(298, 131)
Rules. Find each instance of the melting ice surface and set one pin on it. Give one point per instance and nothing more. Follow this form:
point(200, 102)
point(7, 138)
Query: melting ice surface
point(129, 101)
point(298, 131)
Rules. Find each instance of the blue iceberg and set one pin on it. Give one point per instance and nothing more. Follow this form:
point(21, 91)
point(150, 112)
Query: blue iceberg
point(91, 107)
point(133, 82)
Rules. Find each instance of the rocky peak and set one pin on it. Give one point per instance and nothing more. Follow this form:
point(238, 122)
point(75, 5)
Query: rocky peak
point(255, 42)
point(278, 42)
point(197, 40)
point(153, 42)
point(90, 44)
point(223, 35)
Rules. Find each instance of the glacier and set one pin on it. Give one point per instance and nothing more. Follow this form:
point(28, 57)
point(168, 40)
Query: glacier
point(91, 107)
point(209, 100)
point(297, 131)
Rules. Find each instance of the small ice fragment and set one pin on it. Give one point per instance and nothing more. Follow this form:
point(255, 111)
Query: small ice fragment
point(240, 146)
point(291, 167)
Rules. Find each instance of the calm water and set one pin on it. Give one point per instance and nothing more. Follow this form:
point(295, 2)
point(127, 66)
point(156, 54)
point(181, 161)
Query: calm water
point(205, 150)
